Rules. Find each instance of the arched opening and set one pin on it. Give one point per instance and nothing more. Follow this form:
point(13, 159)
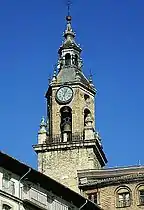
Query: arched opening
point(140, 194)
point(68, 59)
point(123, 197)
point(6, 207)
point(88, 126)
point(66, 123)
point(76, 59)
point(87, 114)
point(87, 98)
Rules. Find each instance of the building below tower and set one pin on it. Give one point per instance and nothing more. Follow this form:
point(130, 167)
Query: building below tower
point(114, 188)
point(23, 188)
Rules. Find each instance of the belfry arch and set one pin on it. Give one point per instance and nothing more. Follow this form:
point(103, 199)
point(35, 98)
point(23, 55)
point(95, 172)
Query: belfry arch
point(67, 59)
point(66, 123)
point(87, 114)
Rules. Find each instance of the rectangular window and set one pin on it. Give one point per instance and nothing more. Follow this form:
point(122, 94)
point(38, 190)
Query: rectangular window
point(93, 197)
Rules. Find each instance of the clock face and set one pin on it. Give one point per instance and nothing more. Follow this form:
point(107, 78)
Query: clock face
point(64, 94)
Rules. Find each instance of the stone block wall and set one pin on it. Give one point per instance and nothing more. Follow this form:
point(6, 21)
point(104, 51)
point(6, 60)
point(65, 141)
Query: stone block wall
point(78, 104)
point(63, 165)
point(108, 196)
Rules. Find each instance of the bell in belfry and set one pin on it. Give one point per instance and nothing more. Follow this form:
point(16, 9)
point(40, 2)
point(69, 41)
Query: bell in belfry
point(67, 127)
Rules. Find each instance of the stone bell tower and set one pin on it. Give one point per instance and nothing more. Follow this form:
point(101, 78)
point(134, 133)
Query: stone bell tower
point(67, 141)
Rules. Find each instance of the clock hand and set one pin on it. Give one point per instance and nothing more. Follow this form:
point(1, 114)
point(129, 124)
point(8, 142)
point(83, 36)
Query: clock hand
point(65, 92)
point(63, 95)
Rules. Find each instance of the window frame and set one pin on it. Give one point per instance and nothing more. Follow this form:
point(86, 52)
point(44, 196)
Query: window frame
point(141, 201)
point(94, 196)
point(138, 189)
point(124, 202)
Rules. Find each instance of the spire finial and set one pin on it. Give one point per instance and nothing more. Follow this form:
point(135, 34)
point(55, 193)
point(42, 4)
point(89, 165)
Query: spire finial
point(69, 32)
point(49, 79)
point(42, 126)
point(42, 123)
point(54, 73)
point(90, 76)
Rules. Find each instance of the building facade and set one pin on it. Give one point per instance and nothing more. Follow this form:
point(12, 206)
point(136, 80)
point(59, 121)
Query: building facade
point(23, 188)
point(114, 188)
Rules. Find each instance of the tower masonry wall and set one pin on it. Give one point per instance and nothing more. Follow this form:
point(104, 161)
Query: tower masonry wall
point(63, 165)
point(78, 105)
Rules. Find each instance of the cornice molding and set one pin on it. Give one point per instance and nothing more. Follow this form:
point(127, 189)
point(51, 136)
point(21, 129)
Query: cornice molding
point(113, 180)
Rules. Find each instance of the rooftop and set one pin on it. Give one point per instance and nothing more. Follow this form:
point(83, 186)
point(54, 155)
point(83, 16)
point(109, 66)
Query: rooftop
point(19, 168)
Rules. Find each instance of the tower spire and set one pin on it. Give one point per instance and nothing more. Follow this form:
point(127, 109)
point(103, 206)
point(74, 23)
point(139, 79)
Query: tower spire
point(69, 34)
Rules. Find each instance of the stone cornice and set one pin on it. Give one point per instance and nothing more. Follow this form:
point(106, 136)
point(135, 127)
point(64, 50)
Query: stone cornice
point(112, 180)
point(110, 172)
point(93, 143)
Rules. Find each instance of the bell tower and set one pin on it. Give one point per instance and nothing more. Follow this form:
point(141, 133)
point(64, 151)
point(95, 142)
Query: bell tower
point(67, 139)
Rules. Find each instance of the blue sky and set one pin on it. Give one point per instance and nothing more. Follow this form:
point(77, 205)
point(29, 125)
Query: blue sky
point(111, 35)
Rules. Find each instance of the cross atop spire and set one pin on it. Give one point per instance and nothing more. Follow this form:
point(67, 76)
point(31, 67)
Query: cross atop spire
point(68, 6)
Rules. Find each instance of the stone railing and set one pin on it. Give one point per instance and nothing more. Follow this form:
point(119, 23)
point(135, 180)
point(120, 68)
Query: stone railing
point(42, 200)
point(57, 139)
point(35, 197)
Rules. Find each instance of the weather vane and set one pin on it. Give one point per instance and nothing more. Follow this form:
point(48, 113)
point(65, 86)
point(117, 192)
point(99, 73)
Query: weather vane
point(69, 3)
